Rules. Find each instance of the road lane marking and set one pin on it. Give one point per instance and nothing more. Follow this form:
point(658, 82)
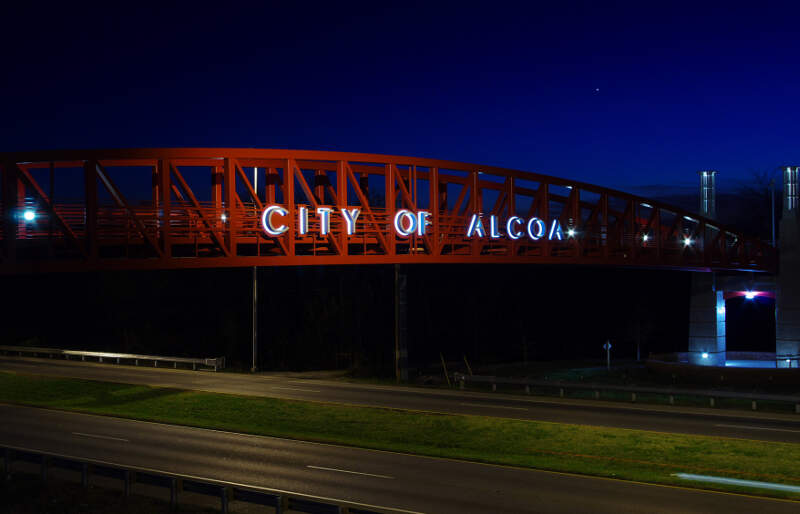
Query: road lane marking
point(95, 436)
point(739, 482)
point(760, 428)
point(351, 472)
point(296, 389)
point(492, 406)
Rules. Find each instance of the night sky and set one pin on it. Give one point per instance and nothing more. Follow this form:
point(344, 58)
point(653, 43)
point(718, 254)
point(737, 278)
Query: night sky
point(624, 95)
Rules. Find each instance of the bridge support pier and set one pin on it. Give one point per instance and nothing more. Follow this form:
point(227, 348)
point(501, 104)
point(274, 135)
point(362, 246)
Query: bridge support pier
point(706, 322)
point(787, 301)
point(400, 324)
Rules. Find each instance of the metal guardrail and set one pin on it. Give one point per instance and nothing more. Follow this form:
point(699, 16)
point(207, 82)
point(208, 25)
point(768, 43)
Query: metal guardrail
point(216, 363)
point(176, 483)
point(670, 393)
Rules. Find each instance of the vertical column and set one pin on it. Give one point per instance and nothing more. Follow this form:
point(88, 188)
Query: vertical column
point(165, 190)
point(229, 181)
point(216, 189)
point(721, 314)
point(289, 203)
point(391, 205)
point(433, 184)
point(544, 214)
point(787, 302)
point(477, 207)
point(90, 207)
point(11, 209)
point(341, 202)
point(271, 181)
point(400, 326)
point(706, 343)
point(708, 193)
point(320, 181)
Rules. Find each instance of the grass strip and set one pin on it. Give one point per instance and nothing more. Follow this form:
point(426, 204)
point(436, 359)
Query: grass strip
point(609, 452)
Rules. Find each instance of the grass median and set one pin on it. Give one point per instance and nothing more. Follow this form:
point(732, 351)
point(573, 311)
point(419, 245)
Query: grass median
point(609, 452)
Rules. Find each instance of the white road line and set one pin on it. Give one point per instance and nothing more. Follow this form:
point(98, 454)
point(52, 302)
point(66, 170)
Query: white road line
point(351, 472)
point(296, 389)
point(491, 406)
point(95, 436)
point(738, 481)
point(761, 428)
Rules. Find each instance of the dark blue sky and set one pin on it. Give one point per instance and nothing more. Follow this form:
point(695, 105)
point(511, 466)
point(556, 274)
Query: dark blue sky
point(682, 86)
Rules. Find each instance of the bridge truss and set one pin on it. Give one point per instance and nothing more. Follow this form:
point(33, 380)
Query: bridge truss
point(197, 207)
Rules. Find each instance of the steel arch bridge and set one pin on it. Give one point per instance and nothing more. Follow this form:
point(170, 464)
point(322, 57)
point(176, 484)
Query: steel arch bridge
point(77, 210)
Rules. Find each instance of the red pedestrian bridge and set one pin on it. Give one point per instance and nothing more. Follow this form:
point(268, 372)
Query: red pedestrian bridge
point(77, 210)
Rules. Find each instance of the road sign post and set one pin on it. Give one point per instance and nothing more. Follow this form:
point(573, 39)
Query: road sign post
point(607, 348)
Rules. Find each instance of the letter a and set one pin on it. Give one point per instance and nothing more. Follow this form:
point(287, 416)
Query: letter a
point(476, 227)
point(555, 231)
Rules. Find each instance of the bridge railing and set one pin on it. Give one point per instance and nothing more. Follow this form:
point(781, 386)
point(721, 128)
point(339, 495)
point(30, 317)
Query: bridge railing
point(176, 483)
point(632, 392)
point(215, 363)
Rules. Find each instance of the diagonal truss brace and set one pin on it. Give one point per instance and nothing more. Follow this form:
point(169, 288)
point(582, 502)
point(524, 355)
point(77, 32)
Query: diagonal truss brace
point(65, 228)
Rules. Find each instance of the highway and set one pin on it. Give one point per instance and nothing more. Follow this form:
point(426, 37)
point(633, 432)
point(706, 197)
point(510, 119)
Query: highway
point(703, 421)
point(383, 479)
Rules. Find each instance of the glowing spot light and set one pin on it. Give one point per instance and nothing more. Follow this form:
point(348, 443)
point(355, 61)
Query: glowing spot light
point(687, 241)
point(645, 238)
point(720, 310)
point(224, 217)
point(29, 215)
point(571, 232)
point(705, 355)
point(750, 295)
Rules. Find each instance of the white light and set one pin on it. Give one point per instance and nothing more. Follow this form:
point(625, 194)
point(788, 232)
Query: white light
point(410, 220)
point(750, 295)
point(494, 232)
point(224, 217)
point(324, 214)
point(789, 361)
point(538, 232)
point(510, 230)
point(302, 220)
point(475, 226)
point(422, 222)
point(266, 220)
point(720, 310)
point(555, 230)
point(571, 232)
point(350, 217)
point(29, 215)
point(645, 238)
point(687, 241)
point(705, 355)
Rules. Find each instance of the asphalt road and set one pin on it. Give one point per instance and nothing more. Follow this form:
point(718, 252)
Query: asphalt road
point(416, 484)
point(738, 424)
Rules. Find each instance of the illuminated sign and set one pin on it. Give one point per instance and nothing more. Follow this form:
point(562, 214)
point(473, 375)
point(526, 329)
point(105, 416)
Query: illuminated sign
point(407, 223)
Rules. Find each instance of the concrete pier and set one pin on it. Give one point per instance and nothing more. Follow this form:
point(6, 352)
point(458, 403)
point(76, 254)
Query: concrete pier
point(787, 303)
point(706, 322)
